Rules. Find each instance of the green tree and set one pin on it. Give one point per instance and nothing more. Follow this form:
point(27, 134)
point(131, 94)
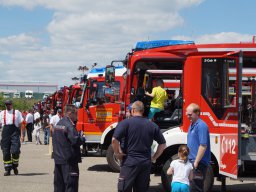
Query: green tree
point(21, 104)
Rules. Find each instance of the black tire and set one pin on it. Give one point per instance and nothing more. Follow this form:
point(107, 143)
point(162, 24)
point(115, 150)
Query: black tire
point(166, 179)
point(209, 179)
point(113, 162)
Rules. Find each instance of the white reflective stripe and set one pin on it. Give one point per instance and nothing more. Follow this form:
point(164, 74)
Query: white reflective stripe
point(228, 174)
point(92, 138)
point(106, 131)
point(217, 124)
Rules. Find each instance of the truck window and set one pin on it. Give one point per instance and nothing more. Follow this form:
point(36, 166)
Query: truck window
point(216, 84)
point(99, 92)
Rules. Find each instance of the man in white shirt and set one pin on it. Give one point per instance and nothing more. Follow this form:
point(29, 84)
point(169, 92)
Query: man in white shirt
point(56, 118)
point(53, 122)
point(36, 117)
point(29, 125)
point(11, 121)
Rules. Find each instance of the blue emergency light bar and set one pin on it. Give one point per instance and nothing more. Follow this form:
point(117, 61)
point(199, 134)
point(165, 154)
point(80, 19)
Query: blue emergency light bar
point(102, 69)
point(98, 70)
point(160, 43)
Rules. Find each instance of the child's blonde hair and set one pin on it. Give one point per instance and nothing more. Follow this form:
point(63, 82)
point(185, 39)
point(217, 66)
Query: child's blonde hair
point(184, 152)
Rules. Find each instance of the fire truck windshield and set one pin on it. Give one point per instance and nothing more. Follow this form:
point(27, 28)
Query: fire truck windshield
point(100, 92)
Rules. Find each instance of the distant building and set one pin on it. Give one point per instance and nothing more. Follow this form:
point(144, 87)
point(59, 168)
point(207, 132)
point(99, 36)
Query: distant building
point(22, 86)
point(10, 89)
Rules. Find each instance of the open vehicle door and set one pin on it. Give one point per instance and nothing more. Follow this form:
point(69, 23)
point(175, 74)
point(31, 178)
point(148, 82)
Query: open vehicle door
point(230, 130)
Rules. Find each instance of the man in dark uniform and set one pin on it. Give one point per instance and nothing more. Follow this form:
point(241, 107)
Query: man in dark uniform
point(66, 152)
point(136, 135)
point(29, 125)
point(10, 144)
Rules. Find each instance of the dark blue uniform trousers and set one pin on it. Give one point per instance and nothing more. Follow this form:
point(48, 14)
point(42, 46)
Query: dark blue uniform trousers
point(134, 178)
point(199, 174)
point(10, 145)
point(29, 127)
point(66, 177)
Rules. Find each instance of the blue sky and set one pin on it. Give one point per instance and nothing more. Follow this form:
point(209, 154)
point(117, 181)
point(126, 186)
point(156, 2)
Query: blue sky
point(214, 16)
point(47, 40)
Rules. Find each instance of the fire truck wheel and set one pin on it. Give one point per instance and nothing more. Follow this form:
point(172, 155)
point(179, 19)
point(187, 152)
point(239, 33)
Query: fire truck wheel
point(166, 179)
point(113, 162)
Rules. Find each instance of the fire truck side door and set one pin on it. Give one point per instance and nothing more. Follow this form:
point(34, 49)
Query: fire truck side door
point(220, 93)
point(230, 129)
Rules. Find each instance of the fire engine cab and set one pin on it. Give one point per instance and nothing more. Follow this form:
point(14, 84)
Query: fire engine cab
point(213, 76)
point(100, 110)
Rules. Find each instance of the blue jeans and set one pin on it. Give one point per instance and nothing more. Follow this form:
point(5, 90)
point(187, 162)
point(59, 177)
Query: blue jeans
point(179, 187)
point(46, 135)
point(153, 111)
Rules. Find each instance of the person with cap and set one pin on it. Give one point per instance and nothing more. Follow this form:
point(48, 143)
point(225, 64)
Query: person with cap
point(66, 151)
point(11, 120)
point(129, 111)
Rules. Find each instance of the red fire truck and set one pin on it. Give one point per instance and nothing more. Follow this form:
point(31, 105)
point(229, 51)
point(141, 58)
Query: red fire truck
point(100, 110)
point(74, 94)
point(206, 80)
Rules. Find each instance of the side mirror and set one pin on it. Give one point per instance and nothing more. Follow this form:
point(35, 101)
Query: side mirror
point(109, 74)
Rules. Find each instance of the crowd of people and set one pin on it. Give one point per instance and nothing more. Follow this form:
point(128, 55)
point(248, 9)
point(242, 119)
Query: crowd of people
point(19, 128)
point(35, 122)
point(131, 141)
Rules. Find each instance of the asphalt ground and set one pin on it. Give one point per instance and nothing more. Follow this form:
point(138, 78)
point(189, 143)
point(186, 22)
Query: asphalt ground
point(36, 174)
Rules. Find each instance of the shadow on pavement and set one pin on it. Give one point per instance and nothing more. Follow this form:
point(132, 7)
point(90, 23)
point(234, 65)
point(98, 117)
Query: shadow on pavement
point(250, 187)
point(100, 168)
point(157, 188)
point(32, 174)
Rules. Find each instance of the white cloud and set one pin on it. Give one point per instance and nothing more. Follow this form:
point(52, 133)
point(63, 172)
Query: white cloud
point(222, 37)
point(82, 32)
point(225, 37)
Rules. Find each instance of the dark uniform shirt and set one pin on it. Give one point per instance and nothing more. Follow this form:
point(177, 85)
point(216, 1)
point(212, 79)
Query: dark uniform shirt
point(137, 135)
point(66, 142)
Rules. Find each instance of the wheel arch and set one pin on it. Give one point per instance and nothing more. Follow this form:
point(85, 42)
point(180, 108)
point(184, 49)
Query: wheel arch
point(168, 153)
point(106, 137)
point(215, 165)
